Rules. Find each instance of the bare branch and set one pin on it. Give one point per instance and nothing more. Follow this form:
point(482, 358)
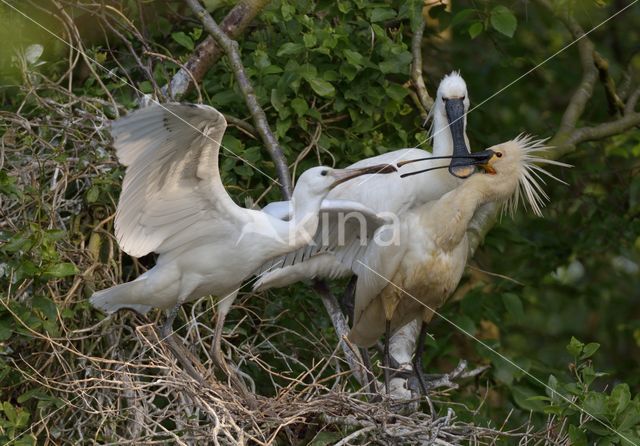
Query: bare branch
point(584, 91)
point(416, 68)
point(599, 131)
point(341, 328)
point(208, 52)
point(632, 101)
point(615, 103)
point(232, 51)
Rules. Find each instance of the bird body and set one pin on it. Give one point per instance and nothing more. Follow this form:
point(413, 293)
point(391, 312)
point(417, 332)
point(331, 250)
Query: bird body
point(387, 194)
point(416, 275)
point(173, 203)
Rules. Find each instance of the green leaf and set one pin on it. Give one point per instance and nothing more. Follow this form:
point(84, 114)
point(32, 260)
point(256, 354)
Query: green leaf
point(310, 40)
point(61, 270)
point(289, 49)
point(10, 412)
point(462, 16)
point(475, 29)
point(92, 194)
point(578, 436)
point(300, 106)
point(503, 20)
point(396, 92)
point(525, 397)
point(620, 398)
point(575, 347)
point(46, 306)
point(630, 417)
point(6, 327)
point(513, 304)
point(589, 350)
point(184, 40)
point(354, 58)
point(382, 14)
point(595, 404)
point(322, 87)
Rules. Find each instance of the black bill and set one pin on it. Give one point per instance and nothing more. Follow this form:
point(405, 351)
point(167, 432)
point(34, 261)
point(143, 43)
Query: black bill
point(459, 167)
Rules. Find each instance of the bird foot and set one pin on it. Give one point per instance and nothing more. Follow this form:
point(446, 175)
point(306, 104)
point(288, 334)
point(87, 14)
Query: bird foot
point(428, 382)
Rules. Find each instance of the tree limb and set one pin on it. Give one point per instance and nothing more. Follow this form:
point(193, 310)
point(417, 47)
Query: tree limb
point(416, 68)
point(632, 101)
point(599, 131)
point(208, 52)
point(615, 103)
point(589, 74)
point(341, 328)
point(232, 51)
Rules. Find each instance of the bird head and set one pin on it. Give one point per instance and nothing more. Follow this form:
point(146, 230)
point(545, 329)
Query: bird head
point(513, 170)
point(320, 180)
point(452, 104)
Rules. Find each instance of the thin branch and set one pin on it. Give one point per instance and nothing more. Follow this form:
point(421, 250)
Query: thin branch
point(416, 68)
point(208, 52)
point(232, 51)
point(632, 101)
point(615, 103)
point(584, 91)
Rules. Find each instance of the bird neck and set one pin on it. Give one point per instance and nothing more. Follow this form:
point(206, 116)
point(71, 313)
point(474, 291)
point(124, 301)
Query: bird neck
point(442, 140)
point(451, 214)
point(304, 221)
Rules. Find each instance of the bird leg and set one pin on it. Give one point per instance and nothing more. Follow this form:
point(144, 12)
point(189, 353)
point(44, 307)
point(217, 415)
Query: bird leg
point(366, 361)
point(168, 338)
point(417, 358)
point(387, 356)
point(348, 299)
point(221, 363)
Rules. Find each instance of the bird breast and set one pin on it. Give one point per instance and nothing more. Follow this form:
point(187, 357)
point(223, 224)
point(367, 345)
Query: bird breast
point(428, 275)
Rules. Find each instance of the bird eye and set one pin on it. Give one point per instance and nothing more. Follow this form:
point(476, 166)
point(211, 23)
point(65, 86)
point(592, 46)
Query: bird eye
point(499, 154)
point(324, 173)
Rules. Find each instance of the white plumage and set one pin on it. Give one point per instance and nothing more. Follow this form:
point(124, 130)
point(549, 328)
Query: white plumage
point(173, 203)
point(388, 194)
point(414, 277)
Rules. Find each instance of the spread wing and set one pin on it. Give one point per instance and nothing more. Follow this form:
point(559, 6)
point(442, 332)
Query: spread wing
point(344, 229)
point(172, 180)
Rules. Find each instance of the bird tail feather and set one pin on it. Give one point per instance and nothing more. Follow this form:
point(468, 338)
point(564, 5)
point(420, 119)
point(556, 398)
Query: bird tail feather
point(120, 296)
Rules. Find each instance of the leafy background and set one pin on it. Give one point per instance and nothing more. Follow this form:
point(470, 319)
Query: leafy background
point(559, 296)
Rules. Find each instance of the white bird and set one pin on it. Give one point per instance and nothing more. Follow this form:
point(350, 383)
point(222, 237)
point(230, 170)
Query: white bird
point(416, 275)
point(384, 194)
point(173, 203)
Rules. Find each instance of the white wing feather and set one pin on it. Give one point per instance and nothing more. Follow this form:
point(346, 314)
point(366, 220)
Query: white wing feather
point(344, 227)
point(172, 180)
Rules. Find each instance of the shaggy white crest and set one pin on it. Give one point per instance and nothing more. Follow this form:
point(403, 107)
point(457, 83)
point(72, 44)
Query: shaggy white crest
point(531, 175)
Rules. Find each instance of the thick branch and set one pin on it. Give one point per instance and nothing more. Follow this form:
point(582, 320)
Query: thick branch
point(208, 52)
point(341, 328)
point(416, 68)
point(596, 132)
point(232, 51)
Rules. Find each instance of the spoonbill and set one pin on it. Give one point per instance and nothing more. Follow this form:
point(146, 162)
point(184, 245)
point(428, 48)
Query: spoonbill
point(388, 194)
point(173, 203)
point(384, 194)
point(415, 276)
